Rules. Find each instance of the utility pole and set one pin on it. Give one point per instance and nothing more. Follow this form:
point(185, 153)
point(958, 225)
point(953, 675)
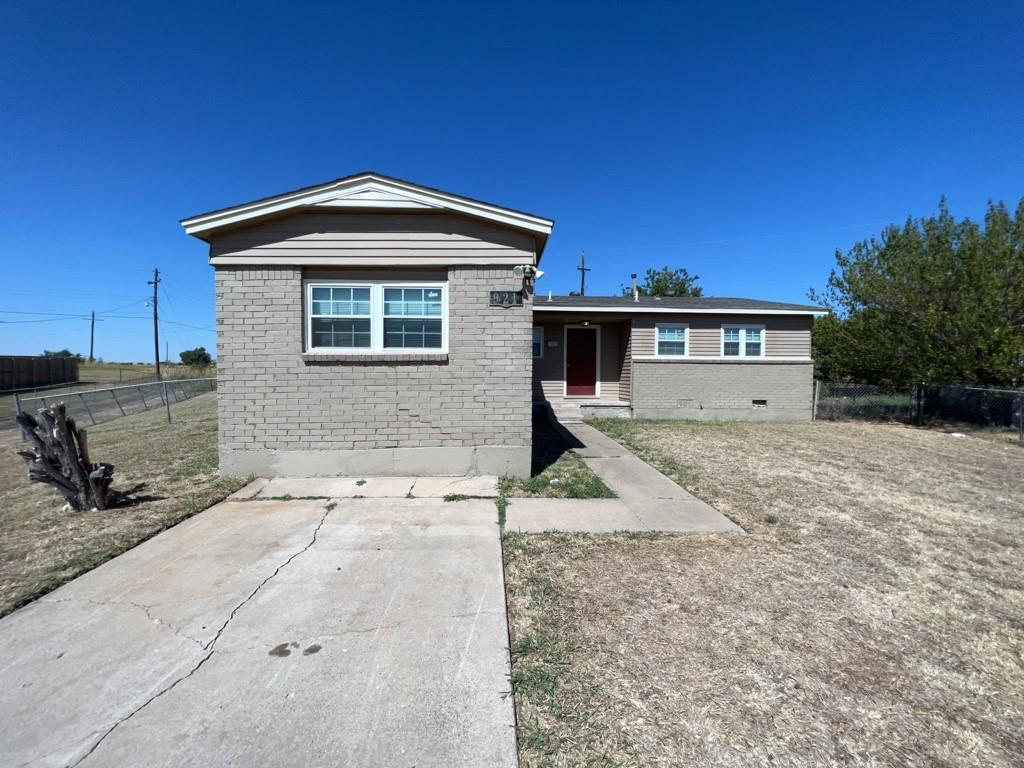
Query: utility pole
point(583, 269)
point(156, 321)
point(92, 336)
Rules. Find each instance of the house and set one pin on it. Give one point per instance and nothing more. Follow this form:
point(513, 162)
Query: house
point(371, 326)
point(673, 358)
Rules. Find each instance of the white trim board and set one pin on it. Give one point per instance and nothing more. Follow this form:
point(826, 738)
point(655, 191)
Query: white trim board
point(365, 261)
point(540, 306)
point(719, 359)
point(367, 191)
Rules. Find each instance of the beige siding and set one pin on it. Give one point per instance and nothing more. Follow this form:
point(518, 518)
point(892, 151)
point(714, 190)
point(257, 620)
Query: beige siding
point(610, 366)
point(374, 235)
point(785, 335)
point(626, 374)
point(548, 370)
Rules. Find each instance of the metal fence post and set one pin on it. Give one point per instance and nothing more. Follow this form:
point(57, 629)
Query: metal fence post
point(86, 406)
point(17, 412)
point(167, 401)
point(1020, 417)
point(814, 401)
point(113, 394)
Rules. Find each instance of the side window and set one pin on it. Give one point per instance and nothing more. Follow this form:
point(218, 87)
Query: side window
point(671, 339)
point(538, 341)
point(742, 341)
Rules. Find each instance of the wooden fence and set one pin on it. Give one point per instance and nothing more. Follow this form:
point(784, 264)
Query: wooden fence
point(25, 372)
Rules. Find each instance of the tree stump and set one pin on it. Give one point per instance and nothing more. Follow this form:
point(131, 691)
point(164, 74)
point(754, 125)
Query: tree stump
point(60, 457)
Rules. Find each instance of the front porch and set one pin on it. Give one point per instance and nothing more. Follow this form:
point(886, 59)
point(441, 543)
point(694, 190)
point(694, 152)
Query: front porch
point(582, 365)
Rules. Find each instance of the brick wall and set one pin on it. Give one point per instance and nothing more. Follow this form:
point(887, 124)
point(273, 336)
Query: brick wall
point(722, 390)
point(273, 399)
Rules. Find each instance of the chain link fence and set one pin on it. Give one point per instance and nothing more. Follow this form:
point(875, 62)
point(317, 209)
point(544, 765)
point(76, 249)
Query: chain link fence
point(862, 401)
point(922, 404)
point(94, 406)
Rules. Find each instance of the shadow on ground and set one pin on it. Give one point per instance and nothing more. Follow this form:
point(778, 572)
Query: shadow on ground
point(549, 443)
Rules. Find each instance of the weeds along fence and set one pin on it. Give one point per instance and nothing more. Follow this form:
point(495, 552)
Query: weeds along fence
point(921, 404)
point(95, 406)
point(862, 401)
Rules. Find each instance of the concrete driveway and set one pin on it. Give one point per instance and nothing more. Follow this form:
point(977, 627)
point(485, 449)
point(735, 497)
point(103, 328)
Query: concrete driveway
point(350, 632)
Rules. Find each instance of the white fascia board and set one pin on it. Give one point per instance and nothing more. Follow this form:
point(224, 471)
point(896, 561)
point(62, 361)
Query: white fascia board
point(329, 195)
point(540, 306)
point(719, 359)
point(367, 261)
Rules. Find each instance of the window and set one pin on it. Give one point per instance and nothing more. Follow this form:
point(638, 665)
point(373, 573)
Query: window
point(412, 318)
point(340, 317)
point(538, 341)
point(743, 341)
point(377, 317)
point(671, 339)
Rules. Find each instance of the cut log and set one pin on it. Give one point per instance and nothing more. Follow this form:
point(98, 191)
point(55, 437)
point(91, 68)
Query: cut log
point(60, 457)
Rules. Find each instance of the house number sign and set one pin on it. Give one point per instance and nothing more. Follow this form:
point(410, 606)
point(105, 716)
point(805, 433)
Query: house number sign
point(506, 298)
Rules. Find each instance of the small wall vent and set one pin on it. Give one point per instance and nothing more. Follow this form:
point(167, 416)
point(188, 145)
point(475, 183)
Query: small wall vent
point(759, 403)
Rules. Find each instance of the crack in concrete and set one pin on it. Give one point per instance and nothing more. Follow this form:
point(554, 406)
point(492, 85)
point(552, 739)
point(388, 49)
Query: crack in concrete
point(147, 609)
point(209, 647)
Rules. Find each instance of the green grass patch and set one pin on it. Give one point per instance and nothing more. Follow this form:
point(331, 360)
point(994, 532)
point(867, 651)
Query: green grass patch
point(567, 478)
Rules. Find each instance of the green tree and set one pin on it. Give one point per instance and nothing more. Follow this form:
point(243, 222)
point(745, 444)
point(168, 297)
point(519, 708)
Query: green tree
point(197, 357)
point(668, 282)
point(60, 353)
point(937, 300)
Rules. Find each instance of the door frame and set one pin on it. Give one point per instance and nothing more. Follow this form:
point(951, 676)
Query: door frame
point(565, 361)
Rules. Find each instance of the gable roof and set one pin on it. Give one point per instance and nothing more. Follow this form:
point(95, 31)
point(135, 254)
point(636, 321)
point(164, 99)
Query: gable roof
point(367, 190)
point(671, 305)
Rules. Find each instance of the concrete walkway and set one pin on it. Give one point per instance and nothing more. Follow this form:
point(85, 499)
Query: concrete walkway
point(362, 632)
point(647, 499)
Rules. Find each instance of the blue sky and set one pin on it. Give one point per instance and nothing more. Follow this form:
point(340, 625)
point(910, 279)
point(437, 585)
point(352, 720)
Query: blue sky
point(745, 142)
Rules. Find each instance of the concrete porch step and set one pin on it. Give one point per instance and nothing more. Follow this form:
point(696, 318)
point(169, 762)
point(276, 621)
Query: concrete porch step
point(575, 411)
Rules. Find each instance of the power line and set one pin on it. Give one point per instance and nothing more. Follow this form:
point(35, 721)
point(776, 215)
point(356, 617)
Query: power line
point(170, 305)
point(47, 320)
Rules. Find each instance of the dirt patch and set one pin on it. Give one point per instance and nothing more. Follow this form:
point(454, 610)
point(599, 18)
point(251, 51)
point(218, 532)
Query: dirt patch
point(164, 474)
point(872, 615)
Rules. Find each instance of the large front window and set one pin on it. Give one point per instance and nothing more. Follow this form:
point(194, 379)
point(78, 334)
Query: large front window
point(377, 317)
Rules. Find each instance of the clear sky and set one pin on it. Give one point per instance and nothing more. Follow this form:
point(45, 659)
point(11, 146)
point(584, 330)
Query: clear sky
point(745, 142)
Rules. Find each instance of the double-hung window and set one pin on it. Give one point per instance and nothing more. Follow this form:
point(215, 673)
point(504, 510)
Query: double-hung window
point(377, 317)
point(340, 317)
point(413, 318)
point(742, 341)
point(538, 341)
point(671, 339)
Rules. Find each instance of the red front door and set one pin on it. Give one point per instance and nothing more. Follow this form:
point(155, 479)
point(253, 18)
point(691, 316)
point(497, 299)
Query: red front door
point(581, 361)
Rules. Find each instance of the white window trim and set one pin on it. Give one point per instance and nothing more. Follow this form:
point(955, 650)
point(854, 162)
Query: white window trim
point(743, 341)
point(686, 340)
point(376, 317)
point(541, 329)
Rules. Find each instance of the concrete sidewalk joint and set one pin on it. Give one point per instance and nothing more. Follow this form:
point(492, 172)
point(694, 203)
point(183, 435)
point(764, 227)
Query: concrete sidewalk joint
point(647, 499)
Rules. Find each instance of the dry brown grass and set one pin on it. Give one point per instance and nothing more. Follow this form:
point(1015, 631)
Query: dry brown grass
point(167, 471)
point(873, 615)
